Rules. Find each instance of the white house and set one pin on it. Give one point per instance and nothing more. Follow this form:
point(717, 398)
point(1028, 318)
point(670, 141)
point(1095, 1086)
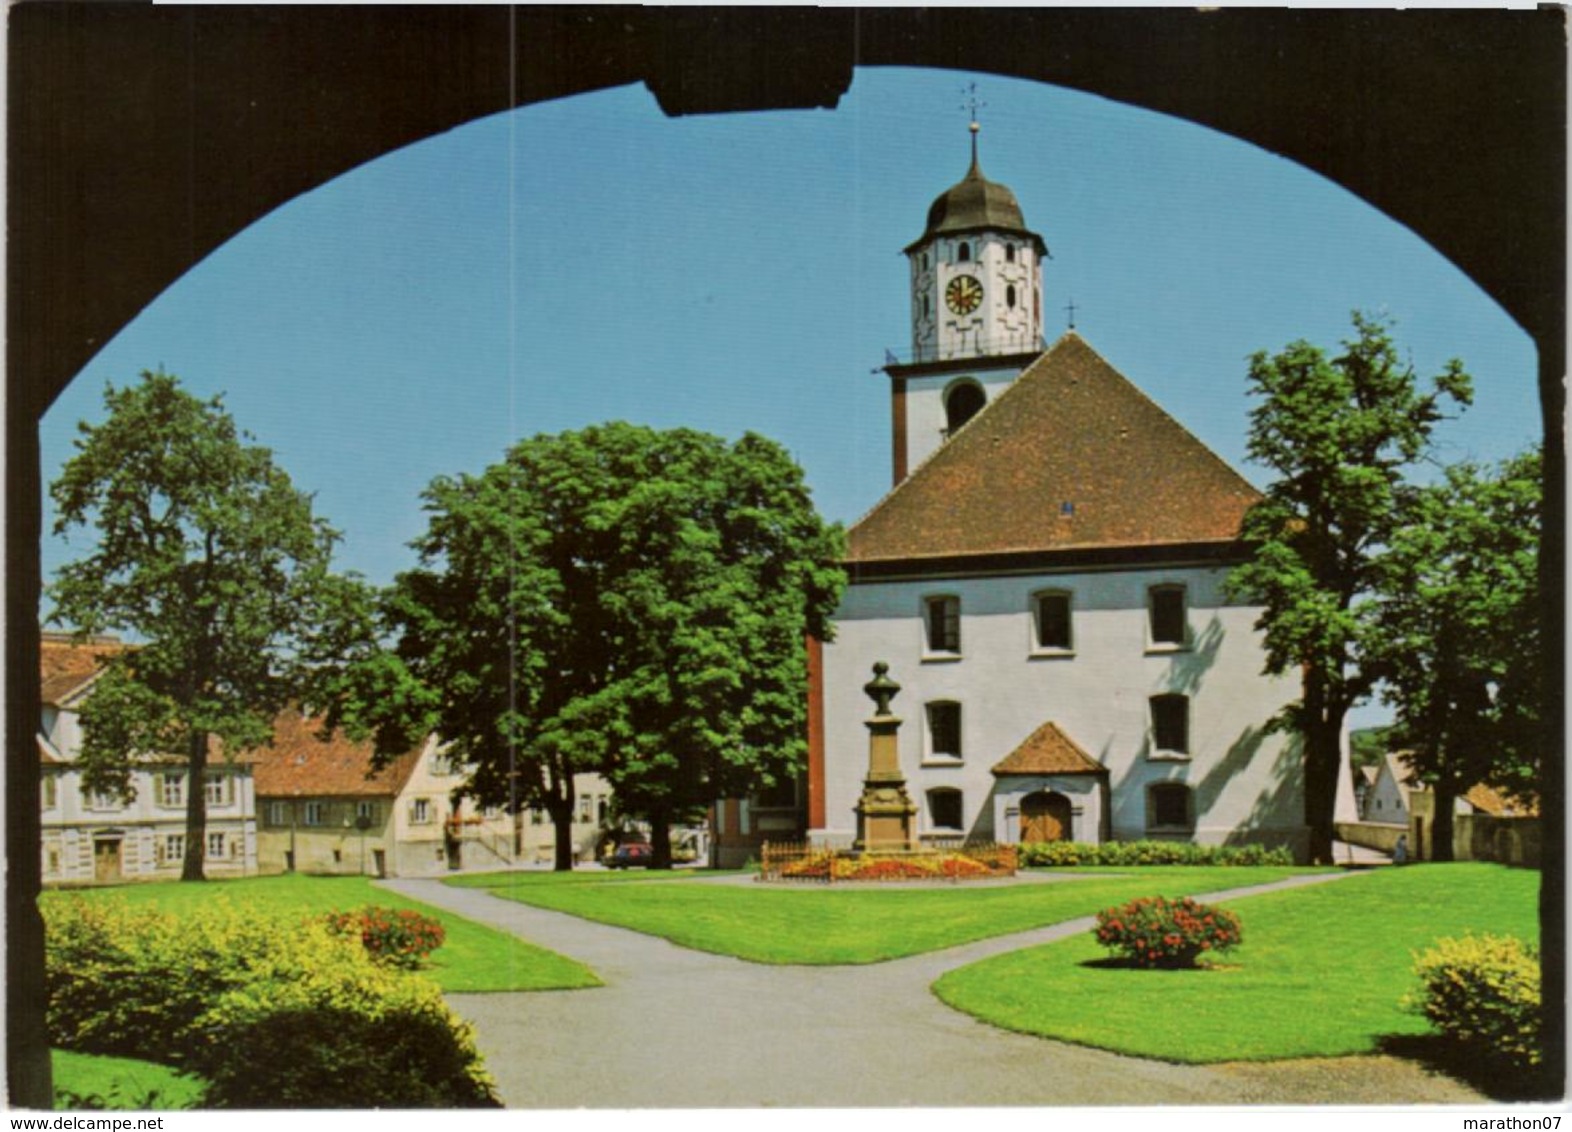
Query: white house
point(91, 838)
point(1046, 585)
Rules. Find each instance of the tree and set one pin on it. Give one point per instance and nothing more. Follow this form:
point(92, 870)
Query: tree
point(1457, 644)
point(1340, 434)
point(618, 600)
point(209, 556)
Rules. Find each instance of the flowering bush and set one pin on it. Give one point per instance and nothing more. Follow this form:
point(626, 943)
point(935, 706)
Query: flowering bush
point(1157, 932)
point(1059, 854)
point(1483, 995)
point(400, 937)
point(269, 1011)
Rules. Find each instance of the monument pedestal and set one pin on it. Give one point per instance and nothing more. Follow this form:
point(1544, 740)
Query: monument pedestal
point(886, 815)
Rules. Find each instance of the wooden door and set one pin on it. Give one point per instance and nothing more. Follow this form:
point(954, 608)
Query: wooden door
point(106, 861)
point(1045, 817)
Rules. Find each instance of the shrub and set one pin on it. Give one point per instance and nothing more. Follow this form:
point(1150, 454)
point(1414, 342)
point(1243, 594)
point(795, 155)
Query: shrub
point(1483, 995)
point(1158, 932)
point(1119, 854)
point(400, 937)
point(271, 1011)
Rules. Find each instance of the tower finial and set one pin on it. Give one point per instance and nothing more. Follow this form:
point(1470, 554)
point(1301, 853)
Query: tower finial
point(972, 105)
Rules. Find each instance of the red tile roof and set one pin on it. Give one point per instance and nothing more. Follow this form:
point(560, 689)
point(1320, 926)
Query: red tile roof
point(300, 765)
point(1049, 750)
point(66, 667)
point(1071, 430)
point(1488, 800)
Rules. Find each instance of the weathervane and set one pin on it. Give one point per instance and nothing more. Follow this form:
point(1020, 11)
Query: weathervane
point(972, 105)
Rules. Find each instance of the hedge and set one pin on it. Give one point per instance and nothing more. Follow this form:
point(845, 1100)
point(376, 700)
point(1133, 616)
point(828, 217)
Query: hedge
point(272, 1012)
point(1051, 854)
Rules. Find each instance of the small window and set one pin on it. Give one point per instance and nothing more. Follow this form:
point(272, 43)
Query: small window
point(943, 616)
point(316, 813)
point(1009, 296)
point(50, 785)
point(217, 847)
point(586, 807)
point(945, 809)
point(101, 800)
point(1051, 615)
point(420, 811)
point(216, 788)
point(1171, 724)
point(1166, 606)
point(944, 729)
point(927, 310)
point(171, 789)
point(963, 253)
point(1009, 257)
point(367, 810)
point(278, 814)
point(602, 810)
point(442, 764)
point(1168, 807)
point(923, 259)
point(172, 849)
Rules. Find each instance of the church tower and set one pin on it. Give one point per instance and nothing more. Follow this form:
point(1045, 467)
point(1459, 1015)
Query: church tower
point(976, 310)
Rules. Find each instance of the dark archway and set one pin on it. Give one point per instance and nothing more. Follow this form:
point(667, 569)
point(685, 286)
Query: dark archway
point(962, 401)
point(134, 133)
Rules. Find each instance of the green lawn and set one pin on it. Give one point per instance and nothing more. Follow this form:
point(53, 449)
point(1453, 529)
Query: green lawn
point(474, 957)
point(849, 924)
point(505, 880)
point(120, 1083)
point(1321, 971)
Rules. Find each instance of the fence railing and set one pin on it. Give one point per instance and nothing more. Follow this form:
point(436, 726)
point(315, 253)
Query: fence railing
point(941, 860)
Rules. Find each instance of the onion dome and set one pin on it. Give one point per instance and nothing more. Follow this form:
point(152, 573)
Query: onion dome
point(976, 204)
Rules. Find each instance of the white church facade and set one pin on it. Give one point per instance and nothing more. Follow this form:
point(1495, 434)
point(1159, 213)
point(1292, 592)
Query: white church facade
point(1045, 581)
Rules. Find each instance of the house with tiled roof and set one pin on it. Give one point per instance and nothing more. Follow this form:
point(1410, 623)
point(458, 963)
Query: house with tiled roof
point(1045, 580)
point(93, 838)
point(325, 808)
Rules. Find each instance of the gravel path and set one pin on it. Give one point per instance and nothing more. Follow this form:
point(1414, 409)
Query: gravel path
point(676, 1028)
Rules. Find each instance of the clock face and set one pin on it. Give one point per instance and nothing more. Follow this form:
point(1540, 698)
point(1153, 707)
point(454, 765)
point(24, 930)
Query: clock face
point(964, 294)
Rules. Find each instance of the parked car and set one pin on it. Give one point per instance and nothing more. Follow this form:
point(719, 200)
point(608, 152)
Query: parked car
point(632, 855)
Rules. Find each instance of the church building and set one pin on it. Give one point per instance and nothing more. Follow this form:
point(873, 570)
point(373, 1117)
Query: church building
point(1045, 582)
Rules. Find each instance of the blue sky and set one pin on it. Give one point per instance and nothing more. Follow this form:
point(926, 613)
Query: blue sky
point(590, 259)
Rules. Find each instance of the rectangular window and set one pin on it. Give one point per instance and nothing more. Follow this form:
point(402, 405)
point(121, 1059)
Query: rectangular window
point(420, 811)
point(316, 813)
point(278, 814)
point(1171, 724)
point(586, 807)
point(1053, 621)
point(944, 624)
point(442, 764)
point(944, 809)
point(1166, 606)
point(1168, 806)
point(216, 847)
point(99, 800)
point(50, 785)
point(944, 730)
point(367, 810)
point(172, 849)
point(216, 787)
point(171, 789)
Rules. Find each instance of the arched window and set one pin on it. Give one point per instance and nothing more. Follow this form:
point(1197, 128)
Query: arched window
point(1168, 808)
point(962, 402)
point(945, 811)
point(963, 253)
point(1171, 724)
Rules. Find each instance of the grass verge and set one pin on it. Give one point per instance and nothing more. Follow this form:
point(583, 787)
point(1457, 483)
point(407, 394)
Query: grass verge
point(1321, 972)
point(90, 1080)
point(474, 958)
point(851, 924)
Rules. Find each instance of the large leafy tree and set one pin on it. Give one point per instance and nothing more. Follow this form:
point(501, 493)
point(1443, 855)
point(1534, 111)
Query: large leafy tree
point(1341, 433)
point(208, 557)
point(1457, 646)
point(620, 600)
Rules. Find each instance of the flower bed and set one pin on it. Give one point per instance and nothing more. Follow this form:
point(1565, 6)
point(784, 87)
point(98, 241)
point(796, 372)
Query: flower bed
point(807, 863)
point(1157, 932)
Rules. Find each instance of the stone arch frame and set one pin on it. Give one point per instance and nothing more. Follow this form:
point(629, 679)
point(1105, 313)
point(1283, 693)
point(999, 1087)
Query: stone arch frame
point(1478, 94)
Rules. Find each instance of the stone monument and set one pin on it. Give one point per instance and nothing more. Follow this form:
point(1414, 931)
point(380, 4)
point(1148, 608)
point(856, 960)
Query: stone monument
point(886, 816)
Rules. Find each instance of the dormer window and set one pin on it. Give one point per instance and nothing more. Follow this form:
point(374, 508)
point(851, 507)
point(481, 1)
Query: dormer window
point(963, 253)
